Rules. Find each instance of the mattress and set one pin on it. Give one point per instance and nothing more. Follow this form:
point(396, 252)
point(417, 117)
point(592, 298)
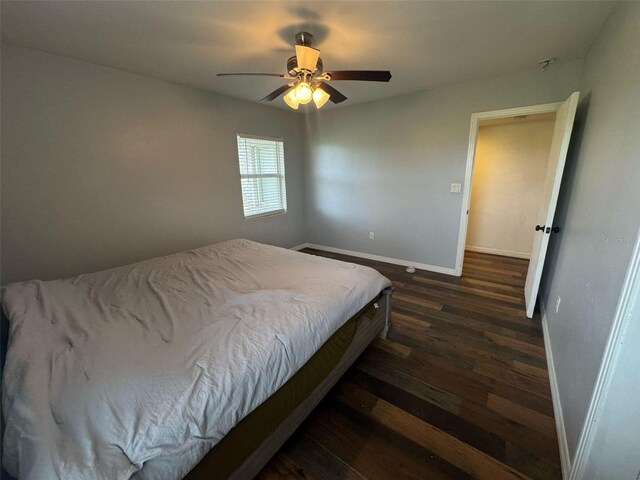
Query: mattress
point(109, 373)
point(247, 435)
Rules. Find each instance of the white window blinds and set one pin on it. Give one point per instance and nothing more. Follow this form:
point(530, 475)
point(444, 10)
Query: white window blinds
point(262, 175)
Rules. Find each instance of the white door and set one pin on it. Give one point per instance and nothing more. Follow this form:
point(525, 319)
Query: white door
point(555, 167)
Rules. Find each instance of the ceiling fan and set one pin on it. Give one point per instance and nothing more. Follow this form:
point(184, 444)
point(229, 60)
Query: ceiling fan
point(307, 79)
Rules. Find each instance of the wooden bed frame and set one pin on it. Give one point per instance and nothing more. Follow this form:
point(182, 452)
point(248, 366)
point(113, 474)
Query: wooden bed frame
point(369, 326)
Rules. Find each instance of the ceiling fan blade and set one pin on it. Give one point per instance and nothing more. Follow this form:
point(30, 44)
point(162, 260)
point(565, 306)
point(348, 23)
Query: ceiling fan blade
point(281, 75)
point(307, 57)
point(362, 75)
point(276, 93)
point(334, 95)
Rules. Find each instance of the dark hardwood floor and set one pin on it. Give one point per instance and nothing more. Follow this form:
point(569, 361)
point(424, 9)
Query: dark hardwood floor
point(459, 390)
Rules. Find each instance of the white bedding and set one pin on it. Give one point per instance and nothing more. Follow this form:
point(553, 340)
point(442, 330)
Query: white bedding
point(152, 364)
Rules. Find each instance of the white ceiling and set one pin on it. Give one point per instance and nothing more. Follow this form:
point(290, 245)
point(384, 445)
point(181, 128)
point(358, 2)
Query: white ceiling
point(424, 44)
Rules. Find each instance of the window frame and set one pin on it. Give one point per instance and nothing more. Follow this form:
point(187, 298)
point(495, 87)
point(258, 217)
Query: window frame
point(282, 176)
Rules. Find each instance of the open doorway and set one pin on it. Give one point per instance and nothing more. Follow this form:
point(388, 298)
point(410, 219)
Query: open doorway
point(520, 155)
point(507, 184)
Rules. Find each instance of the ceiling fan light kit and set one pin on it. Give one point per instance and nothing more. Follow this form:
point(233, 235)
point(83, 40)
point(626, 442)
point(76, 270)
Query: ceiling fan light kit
point(304, 92)
point(291, 99)
point(308, 81)
point(320, 97)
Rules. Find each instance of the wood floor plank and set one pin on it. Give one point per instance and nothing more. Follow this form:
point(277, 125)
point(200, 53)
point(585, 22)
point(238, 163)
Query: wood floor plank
point(412, 320)
point(534, 401)
point(490, 269)
point(284, 469)
point(531, 370)
point(480, 325)
point(393, 347)
point(440, 296)
point(492, 286)
point(522, 459)
point(453, 424)
point(504, 373)
point(494, 422)
point(423, 390)
point(460, 388)
point(428, 371)
point(457, 357)
point(369, 451)
point(411, 329)
point(488, 259)
point(528, 324)
point(403, 297)
point(471, 384)
point(496, 277)
point(519, 345)
point(523, 415)
point(513, 297)
point(495, 259)
point(478, 347)
point(447, 447)
point(312, 460)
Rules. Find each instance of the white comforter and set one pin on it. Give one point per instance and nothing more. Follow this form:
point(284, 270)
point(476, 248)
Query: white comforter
point(152, 364)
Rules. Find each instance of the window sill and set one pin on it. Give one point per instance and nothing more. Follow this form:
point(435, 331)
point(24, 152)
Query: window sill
point(273, 213)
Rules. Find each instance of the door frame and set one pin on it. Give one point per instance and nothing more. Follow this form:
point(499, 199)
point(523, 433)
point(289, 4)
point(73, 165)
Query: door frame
point(471, 153)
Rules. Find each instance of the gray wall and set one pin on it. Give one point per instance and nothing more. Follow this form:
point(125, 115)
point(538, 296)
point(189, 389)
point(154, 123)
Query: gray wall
point(599, 212)
point(101, 167)
point(386, 166)
point(615, 450)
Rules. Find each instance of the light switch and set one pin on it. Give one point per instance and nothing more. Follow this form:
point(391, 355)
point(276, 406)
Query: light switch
point(456, 188)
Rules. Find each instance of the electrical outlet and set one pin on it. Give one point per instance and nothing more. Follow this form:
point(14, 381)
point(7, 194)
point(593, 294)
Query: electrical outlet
point(456, 188)
point(371, 235)
point(558, 303)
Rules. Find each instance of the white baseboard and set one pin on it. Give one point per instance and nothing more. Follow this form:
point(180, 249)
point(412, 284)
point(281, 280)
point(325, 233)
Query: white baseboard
point(378, 258)
point(565, 459)
point(496, 251)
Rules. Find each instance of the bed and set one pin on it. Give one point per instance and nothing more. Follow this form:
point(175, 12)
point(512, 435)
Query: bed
point(198, 364)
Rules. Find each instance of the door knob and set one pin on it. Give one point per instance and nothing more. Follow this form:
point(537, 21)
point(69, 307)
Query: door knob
point(555, 229)
point(539, 227)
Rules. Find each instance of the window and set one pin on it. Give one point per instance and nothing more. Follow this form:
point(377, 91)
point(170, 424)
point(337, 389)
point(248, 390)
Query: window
point(262, 176)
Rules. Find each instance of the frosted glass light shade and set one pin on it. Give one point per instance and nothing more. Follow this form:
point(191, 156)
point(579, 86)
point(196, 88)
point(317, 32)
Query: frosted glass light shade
point(320, 97)
point(304, 93)
point(291, 99)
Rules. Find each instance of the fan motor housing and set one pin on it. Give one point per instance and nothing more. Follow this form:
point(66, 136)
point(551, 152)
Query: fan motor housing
point(292, 66)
